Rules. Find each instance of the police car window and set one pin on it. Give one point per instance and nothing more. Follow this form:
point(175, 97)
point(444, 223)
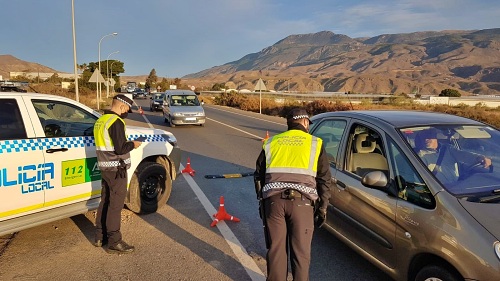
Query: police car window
point(410, 185)
point(60, 119)
point(331, 131)
point(11, 121)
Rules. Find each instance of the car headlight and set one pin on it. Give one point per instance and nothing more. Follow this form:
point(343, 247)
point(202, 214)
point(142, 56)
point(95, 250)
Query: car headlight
point(155, 102)
point(496, 246)
point(200, 114)
point(177, 114)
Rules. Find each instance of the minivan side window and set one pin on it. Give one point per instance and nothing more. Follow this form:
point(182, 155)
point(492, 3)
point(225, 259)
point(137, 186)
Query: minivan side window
point(365, 151)
point(331, 131)
point(60, 119)
point(410, 185)
point(11, 121)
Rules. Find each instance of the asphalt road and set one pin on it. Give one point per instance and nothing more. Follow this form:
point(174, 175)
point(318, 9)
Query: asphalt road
point(178, 243)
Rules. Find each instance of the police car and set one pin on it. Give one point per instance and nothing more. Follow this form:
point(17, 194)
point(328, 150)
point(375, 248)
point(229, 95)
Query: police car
point(48, 164)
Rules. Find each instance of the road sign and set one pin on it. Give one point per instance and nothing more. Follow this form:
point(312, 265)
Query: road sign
point(93, 78)
point(260, 85)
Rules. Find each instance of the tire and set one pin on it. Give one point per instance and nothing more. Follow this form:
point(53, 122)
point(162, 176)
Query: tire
point(150, 188)
point(436, 273)
point(172, 125)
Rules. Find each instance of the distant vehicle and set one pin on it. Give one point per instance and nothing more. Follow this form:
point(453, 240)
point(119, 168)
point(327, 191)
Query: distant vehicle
point(131, 86)
point(416, 193)
point(139, 93)
point(182, 107)
point(156, 102)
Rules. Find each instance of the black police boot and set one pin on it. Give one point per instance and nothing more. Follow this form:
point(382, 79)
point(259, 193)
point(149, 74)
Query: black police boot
point(120, 248)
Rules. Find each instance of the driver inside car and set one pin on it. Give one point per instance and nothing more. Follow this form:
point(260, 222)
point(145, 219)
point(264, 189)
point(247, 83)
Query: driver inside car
point(446, 162)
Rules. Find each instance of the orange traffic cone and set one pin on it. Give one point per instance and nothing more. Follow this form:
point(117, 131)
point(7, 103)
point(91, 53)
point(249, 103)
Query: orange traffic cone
point(267, 136)
point(222, 215)
point(141, 111)
point(188, 168)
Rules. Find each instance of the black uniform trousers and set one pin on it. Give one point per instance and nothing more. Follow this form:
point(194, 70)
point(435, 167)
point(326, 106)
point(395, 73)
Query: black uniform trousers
point(108, 219)
point(290, 224)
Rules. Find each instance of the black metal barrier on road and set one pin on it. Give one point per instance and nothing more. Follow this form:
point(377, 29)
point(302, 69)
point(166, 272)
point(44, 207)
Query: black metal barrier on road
point(228, 176)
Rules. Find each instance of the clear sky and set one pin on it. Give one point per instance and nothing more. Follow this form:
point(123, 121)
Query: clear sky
point(179, 37)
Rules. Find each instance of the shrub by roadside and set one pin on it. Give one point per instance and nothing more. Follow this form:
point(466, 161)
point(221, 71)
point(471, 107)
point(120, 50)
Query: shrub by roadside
point(478, 112)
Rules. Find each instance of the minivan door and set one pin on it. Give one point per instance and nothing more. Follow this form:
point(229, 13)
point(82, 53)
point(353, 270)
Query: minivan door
point(363, 215)
point(331, 132)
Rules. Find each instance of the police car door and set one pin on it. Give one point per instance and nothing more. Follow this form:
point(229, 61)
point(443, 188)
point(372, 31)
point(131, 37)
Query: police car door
point(68, 146)
point(23, 173)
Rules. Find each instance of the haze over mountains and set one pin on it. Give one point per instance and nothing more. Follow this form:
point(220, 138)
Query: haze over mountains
point(419, 62)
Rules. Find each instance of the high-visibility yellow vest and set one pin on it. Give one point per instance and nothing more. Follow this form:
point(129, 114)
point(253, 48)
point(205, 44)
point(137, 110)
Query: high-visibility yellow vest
point(107, 159)
point(293, 152)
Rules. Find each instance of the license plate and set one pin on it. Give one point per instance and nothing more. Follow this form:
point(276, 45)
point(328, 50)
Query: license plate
point(190, 118)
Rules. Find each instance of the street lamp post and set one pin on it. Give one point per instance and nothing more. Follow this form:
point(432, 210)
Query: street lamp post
point(98, 84)
point(112, 74)
point(107, 73)
point(74, 50)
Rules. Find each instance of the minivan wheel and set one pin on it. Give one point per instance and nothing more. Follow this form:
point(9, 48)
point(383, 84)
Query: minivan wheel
point(171, 124)
point(436, 273)
point(150, 188)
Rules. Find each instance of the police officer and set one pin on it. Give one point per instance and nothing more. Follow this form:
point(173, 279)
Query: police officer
point(294, 173)
point(113, 159)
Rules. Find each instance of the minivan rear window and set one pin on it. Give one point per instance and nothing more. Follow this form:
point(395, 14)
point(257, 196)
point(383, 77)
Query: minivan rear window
point(184, 100)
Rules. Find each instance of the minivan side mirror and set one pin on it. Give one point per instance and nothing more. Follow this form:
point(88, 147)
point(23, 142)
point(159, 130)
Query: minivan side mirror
point(378, 180)
point(375, 179)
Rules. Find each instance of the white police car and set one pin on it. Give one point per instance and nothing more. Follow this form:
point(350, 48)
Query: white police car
point(48, 164)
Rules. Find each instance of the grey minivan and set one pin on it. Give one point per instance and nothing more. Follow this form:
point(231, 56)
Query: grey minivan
point(182, 107)
point(416, 193)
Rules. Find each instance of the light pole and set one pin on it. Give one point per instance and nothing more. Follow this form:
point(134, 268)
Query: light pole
point(98, 84)
point(107, 73)
point(112, 74)
point(74, 50)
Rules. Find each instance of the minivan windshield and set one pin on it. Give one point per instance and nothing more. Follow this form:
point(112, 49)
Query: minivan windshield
point(465, 159)
point(184, 100)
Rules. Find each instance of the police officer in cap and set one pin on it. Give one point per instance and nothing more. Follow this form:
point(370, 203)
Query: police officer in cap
point(113, 159)
point(294, 173)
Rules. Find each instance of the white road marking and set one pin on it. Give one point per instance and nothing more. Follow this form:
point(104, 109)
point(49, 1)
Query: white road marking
point(239, 251)
point(234, 128)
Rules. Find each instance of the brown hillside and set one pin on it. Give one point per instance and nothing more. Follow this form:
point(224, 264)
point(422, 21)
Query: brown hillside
point(10, 63)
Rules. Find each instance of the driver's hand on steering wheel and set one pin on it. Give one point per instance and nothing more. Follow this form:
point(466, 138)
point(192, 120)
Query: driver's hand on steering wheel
point(486, 162)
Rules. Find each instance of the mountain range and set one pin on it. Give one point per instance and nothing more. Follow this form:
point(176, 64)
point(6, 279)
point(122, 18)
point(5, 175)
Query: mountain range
point(419, 62)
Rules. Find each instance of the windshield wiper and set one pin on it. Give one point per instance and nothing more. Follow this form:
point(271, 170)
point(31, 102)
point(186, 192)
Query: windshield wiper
point(482, 198)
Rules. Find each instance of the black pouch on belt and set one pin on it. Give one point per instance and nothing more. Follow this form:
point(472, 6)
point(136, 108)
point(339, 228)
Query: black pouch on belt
point(290, 194)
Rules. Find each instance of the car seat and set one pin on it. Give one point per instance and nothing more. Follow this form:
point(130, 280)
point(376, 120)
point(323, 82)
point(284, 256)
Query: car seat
point(365, 159)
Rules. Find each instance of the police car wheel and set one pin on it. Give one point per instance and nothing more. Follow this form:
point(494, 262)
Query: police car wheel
point(150, 188)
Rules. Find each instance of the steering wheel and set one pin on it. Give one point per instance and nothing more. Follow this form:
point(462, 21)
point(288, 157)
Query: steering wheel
point(477, 167)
